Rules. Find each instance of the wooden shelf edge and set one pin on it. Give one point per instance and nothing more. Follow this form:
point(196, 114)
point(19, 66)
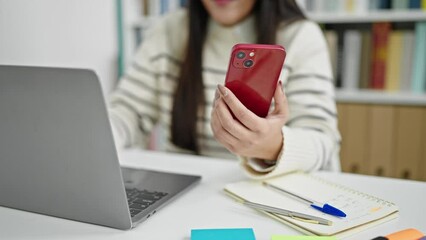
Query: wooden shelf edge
point(370, 16)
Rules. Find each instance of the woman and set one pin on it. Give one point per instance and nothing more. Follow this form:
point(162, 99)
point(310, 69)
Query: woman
point(173, 82)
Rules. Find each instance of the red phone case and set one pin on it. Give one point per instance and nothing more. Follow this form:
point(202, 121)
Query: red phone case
point(253, 73)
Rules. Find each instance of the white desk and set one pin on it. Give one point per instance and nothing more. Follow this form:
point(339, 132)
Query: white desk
point(206, 206)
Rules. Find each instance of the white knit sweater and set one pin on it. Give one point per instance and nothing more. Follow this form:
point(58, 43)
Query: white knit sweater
point(143, 98)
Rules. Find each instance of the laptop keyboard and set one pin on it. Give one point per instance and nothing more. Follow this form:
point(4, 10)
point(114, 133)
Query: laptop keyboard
point(141, 199)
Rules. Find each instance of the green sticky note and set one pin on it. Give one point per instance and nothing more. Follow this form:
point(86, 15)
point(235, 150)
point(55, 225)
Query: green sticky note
point(223, 234)
point(282, 237)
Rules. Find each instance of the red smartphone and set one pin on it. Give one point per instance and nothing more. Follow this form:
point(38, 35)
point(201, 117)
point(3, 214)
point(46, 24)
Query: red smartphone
point(253, 73)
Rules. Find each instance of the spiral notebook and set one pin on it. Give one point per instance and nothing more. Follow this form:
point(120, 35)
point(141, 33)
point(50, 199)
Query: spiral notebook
point(363, 210)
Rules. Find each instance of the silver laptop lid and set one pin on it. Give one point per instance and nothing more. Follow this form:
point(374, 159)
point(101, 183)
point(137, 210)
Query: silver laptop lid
point(57, 155)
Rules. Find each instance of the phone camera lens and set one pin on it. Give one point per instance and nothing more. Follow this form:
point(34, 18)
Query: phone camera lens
point(248, 63)
point(241, 55)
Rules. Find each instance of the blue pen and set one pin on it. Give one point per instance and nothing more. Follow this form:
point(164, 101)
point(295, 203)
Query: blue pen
point(325, 208)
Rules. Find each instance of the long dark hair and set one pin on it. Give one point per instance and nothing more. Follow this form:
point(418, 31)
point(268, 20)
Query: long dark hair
point(189, 96)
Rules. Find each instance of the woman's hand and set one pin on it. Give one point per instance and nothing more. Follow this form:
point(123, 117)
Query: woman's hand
point(251, 136)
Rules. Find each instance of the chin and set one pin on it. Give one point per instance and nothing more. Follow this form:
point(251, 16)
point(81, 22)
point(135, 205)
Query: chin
point(222, 3)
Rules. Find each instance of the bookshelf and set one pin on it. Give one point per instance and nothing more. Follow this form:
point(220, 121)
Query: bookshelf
point(367, 96)
point(383, 130)
point(133, 18)
point(374, 44)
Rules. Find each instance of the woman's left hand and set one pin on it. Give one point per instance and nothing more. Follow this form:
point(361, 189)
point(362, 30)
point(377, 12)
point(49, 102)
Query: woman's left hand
point(250, 135)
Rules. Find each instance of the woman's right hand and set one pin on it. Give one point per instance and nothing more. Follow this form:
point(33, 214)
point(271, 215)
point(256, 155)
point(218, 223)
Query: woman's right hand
point(250, 135)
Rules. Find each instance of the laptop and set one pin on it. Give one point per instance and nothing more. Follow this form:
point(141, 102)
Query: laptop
point(57, 154)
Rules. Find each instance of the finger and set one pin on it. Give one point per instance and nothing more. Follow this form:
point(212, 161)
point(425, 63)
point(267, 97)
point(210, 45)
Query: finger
point(281, 105)
point(216, 97)
point(221, 134)
point(245, 116)
point(231, 125)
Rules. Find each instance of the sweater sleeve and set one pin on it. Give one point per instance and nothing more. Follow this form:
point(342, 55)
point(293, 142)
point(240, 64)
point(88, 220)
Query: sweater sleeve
point(311, 139)
point(134, 105)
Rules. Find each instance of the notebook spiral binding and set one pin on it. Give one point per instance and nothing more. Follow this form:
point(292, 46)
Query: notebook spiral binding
point(356, 192)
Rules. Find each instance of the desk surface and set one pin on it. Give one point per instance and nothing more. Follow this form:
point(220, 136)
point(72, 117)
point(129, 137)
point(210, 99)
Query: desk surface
point(206, 206)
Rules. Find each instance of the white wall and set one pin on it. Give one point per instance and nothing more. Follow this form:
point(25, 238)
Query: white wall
point(63, 33)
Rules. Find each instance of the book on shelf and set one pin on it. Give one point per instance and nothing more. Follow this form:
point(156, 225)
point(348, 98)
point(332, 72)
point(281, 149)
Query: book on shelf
point(331, 39)
point(384, 4)
point(317, 5)
point(359, 6)
point(330, 6)
point(373, 4)
point(406, 60)
point(415, 4)
point(400, 4)
point(351, 59)
point(362, 210)
point(419, 70)
point(380, 38)
point(365, 65)
point(339, 60)
point(393, 61)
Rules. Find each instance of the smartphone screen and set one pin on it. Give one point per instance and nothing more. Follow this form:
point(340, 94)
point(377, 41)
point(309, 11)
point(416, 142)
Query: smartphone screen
point(253, 74)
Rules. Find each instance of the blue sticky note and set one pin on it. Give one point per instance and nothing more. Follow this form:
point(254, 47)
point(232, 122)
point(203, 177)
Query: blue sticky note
point(223, 234)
